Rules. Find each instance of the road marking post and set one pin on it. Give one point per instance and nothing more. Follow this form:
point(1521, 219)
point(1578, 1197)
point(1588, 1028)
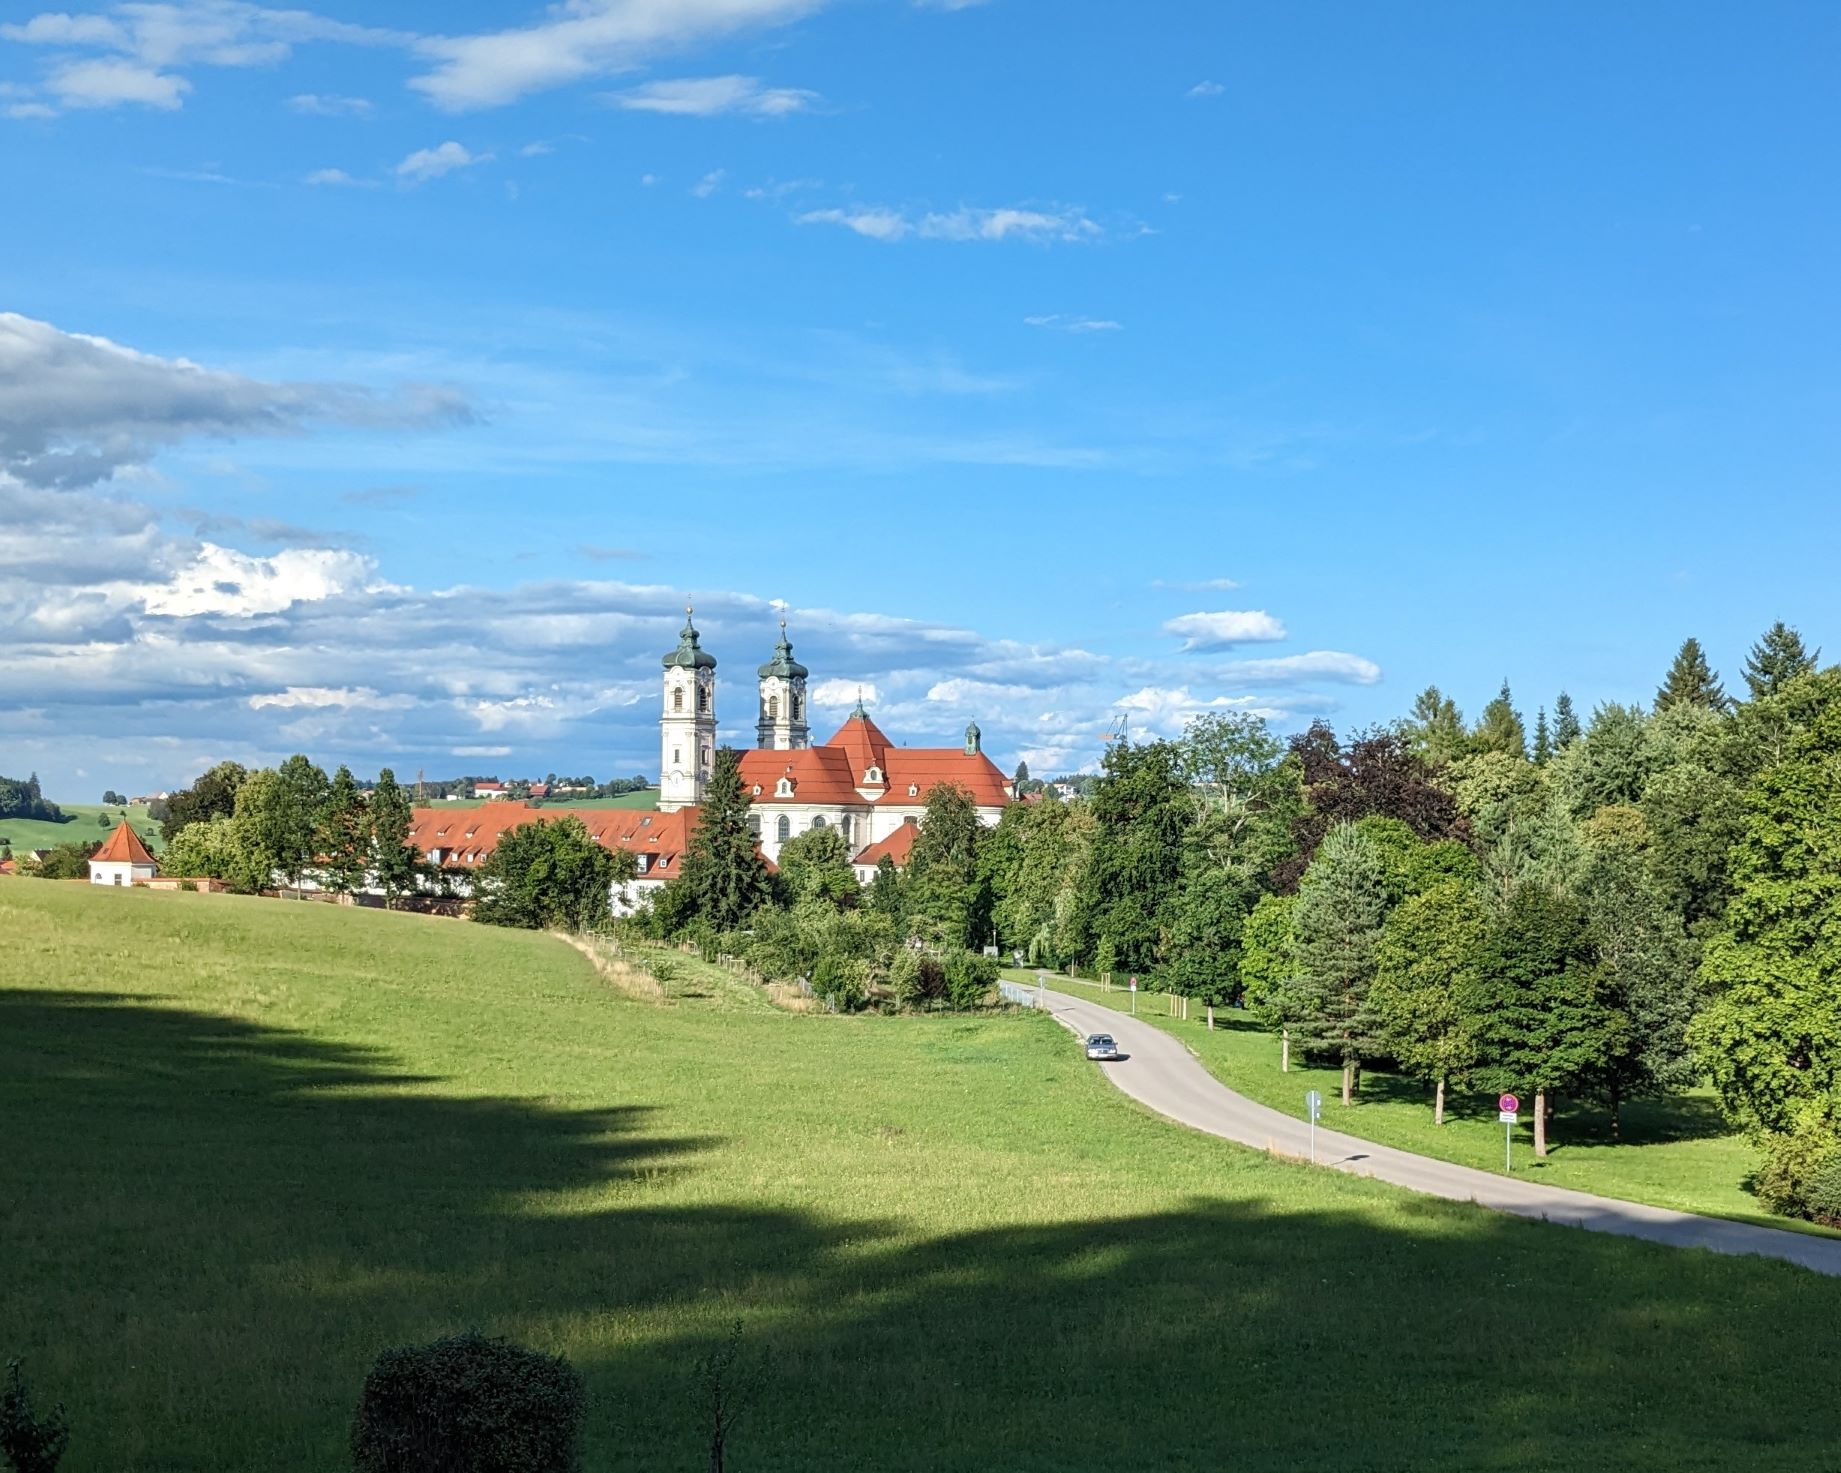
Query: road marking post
point(1134, 997)
point(1313, 1106)
point(1506, 1108)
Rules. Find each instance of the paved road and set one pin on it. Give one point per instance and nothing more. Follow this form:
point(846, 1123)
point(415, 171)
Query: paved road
point(1161, 1073)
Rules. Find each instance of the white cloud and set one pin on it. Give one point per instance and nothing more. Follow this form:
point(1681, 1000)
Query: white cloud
point(339, 179)
point(106, 82)
point(1062, 323)
point(223, 581)
point(536, 150)
point(1331, 665)
point(1197, 585)
point(835, 695)
point(331, 105)
point(880, 222)
point(1205, 89)
point(1221, 630)
point(432, 163)
point(581, 39)
point(321, 697)
point(706, 97)
point(709, 183)
point(29, 110)
point(75, 409)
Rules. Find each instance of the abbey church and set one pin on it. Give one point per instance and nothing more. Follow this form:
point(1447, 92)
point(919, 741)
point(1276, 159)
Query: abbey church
point(858, 782)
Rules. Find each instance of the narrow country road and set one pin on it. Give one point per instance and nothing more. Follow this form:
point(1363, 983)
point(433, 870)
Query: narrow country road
point(1161, 1073)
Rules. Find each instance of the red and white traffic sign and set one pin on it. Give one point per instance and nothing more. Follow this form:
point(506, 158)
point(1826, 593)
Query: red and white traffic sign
point(1134, 984)
point(1508, 1104)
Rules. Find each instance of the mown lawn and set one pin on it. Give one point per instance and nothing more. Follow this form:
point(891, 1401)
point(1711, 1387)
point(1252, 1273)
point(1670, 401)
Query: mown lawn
point(1676, 1151)
point(80, 827)
point(248, 1144)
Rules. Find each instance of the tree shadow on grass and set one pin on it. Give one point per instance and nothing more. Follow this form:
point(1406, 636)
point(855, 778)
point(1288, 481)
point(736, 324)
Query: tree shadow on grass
point(212, 1227)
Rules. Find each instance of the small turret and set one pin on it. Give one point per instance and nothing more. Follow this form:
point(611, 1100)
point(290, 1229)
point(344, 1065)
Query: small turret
point(974, 740)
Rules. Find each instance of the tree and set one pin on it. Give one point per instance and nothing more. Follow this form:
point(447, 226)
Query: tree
point(218, 848)
point(279, 812)
point(1770, 1039)
point(1424, 966)
point(344, 836)
point(66, 861)
point(885, 896)
point(395, 862)
point(1021, 775)
point(1776, 659)
point(724, 874)
point(113, 799)
point(1142, 812)
point(1543, 739)
point(213, 794)
point(27, 800)
point(1378, 774)
point(1202, 944)
point(1435, 730)
point(1267, 958)
point(1336, 930)
point(1691, 681)
point(1535, 1003)
point(945, 887)
point(1500, 729)
point(544, 875)
point(1246, 794)
point(1565, 723)
point(1611, 763)
point(816, 866)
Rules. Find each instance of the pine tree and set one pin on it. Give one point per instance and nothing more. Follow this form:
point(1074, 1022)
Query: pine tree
point(1436, 727)
point(1336, 933)
point(1777, 659)
point(1566, 728)
point(1501, 728)
point(1543, 741)
point(1691, 680)
point(723, 871)
point(1022, 775)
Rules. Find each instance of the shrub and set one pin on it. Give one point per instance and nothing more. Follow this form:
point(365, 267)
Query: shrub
point(469, 1404)
point(837, 981)
point(30, 1446)
point(970, 976)
point(1801, 1173)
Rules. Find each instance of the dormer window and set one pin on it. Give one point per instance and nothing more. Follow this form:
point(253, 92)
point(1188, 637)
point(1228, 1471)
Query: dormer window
point(757, 790)
point(873, 777)
point(783, 788)
point(913, 790)
point(646, 822)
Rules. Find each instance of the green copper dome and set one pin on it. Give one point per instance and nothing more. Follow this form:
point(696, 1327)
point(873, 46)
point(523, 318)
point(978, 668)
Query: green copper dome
point(689, 655)
point(783, 664)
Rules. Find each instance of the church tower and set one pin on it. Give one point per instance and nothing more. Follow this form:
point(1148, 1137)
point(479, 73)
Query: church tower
point(781, 725)
point(687, 724)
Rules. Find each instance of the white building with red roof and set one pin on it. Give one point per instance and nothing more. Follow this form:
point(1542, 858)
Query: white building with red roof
point(123, 859)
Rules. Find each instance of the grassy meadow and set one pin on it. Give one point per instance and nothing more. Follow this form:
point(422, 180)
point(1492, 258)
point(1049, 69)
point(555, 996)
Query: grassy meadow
point(1675, 1151)
point(248, 1144)
point(81, 827)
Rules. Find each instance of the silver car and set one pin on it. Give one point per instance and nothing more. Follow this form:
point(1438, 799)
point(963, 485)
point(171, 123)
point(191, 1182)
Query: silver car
point(1102, 1046)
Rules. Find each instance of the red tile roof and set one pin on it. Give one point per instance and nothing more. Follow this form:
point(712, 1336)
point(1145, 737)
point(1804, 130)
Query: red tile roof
point(897, 846)
point(838, 771)
point(466, 836)
point(124, 846)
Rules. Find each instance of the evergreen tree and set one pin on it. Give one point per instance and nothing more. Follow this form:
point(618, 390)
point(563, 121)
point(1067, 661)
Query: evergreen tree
point(1566, 728)
point(1691, 680)
point(885, 895)
point(1777, 659)
point(1021, 776)
point(1536, 1005)
point(723, 870)
point(1543, 740)
point(344, 836)
point(1435, 730)
point(1336, 933)
point(394, 860)
point(1501, 729)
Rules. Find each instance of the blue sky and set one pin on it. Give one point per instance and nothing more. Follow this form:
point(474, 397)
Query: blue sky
point(994, 340)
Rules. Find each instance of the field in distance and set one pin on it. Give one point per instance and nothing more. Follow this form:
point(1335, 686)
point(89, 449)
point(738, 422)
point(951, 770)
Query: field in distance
point(291, 1135)
point(79, 827)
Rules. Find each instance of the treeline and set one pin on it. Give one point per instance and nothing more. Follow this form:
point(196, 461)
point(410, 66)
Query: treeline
point(25, 800)
point(1599, 909)
point(282, 825)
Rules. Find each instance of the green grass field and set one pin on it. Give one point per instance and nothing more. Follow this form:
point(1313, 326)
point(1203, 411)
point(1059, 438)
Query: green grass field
point(32, 833)
point(248, 1144)
point(1674, 1152)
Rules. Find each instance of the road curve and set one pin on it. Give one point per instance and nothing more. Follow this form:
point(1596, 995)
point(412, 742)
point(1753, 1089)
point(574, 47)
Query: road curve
point(1161, 1073)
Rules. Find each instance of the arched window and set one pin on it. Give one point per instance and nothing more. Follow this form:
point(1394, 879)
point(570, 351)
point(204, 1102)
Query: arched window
point(843, 827)
point(754, 825)
point(784, 828)
point(819, 821)
point(706, 759)
point(797, 704)
point(703, 698)
point(773, 708)
point(677, 699)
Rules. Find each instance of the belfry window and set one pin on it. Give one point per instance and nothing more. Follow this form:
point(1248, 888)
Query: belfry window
point(677, 700)
point(773, 708)
point(797, 703)
point(703, 698)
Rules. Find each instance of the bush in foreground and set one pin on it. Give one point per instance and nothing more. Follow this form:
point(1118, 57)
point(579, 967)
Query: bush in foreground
point(1801, 1173)
point(469, 1404)
point(29, 1444)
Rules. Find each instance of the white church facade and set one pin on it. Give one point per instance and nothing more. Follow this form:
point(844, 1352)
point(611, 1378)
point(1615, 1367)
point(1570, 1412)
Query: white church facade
point(858, 782)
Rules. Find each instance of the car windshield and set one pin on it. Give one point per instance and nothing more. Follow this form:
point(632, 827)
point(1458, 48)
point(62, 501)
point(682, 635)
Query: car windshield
point(1100, 1039)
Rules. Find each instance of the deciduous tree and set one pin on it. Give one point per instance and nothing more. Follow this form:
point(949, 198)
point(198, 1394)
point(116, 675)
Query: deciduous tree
point(1425, 966)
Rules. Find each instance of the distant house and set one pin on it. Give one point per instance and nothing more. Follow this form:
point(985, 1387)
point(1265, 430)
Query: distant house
point(122, 860)
point(488, 792)
point(540, 790)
